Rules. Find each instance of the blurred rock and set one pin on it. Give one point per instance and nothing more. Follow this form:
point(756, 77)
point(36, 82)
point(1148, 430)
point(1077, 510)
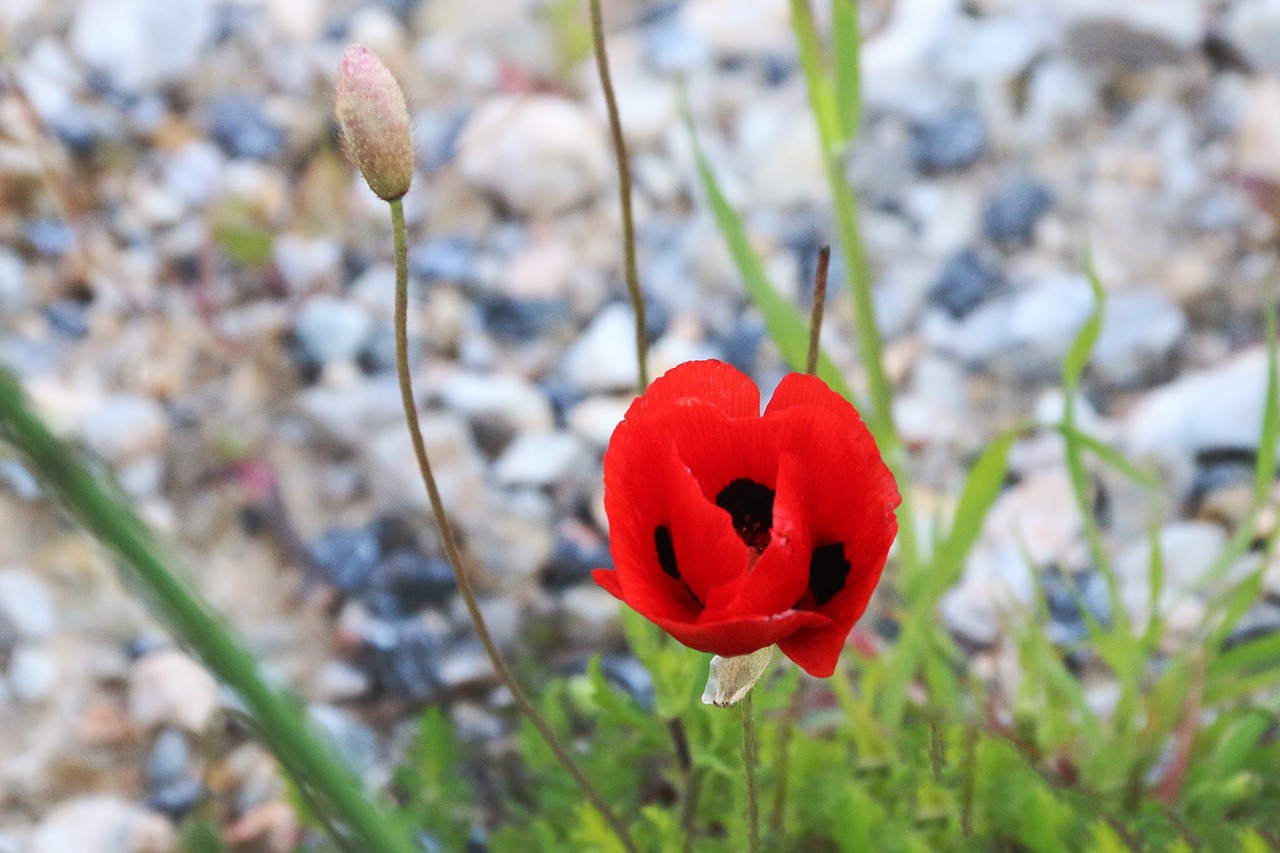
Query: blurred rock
point(590, 617)
point(949, 141)
point(604, 357)
point(173, 786)
point(500, 403)
point(1132, 35)
point(102, 824)
point(539, 459)
point(26, 603)
point(967, 280)
point(240, 126)
point(1253, 28)
point(142, 44)
point(1139, 330)
point(561, 150)
point(1011, 213)
point(167, 688)
point(123, 427)
point(332, 329)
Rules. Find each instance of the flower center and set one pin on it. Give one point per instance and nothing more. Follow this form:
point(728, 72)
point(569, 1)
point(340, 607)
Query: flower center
point(751, 506)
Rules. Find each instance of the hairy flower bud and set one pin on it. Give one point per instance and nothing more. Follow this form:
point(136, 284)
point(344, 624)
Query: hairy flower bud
point(374, 122)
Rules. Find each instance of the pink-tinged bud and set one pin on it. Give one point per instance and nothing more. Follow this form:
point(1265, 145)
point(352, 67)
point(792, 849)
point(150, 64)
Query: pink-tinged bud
point(374, 122)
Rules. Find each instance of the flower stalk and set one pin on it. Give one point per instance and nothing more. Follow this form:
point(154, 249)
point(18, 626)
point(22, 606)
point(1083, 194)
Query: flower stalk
point(454, 554)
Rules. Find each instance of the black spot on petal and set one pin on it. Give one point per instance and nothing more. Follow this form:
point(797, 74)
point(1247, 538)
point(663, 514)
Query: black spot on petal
point(751, 506)
point(666, 551)
point(828, 571)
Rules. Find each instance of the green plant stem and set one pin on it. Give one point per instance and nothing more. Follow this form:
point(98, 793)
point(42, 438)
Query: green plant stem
point(450, 543)
point(313, 767)
point(749, 762)
point(819, 308)
point(630, 269)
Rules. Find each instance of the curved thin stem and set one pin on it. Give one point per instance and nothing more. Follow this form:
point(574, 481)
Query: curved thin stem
point(624, 193)
point(749, 762)
point(450, 543)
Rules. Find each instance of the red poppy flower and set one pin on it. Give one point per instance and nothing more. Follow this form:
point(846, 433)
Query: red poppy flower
point(734, 530)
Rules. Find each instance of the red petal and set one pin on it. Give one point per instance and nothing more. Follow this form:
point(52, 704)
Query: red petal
point(720, 385)
point(740, 636)
point(608, 578)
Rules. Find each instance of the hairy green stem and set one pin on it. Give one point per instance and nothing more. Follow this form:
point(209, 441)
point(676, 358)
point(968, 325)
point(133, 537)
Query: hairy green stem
point(450, 543)
point(749, 762)
point(631, 271)
point(313, 767)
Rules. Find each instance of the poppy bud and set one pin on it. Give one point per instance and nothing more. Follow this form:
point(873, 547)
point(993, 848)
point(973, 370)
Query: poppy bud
point(731, 679)
point(374, 122)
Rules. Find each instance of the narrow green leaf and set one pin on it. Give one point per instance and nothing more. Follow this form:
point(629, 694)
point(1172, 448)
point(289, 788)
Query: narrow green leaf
point(1086, 338)
point(847, 43)
point(1111, 456)
point(981, 488)
point(785, 323)
point(821, 95)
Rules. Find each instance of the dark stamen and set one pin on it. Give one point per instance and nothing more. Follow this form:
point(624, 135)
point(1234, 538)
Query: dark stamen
point(751, 506)
point(666, 551)
point(828, 571)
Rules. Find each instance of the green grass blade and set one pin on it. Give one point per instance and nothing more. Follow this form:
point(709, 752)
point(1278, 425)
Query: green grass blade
point(1111, 456)
point(847, 50)
point(785, 323)
point(315, 769)
point(981, 488)
point(821, 95)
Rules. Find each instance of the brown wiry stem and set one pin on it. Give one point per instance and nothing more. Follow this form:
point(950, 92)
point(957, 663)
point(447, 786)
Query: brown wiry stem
point(454, 555)
point(819, 307)
point(630, 269)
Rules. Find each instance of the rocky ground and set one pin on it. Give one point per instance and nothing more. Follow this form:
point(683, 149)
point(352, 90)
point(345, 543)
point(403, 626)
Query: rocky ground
point(196, 290)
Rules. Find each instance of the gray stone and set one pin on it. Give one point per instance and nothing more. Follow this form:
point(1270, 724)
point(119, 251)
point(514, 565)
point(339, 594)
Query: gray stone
point(99, 823)
point(506, 401)
point(13, 283)
point(33, 674)
point(590, 617)
point(1253, 28)
point(126, 426)
point(1131, 35)
point(950, 141)
point(26, 603)
point(142, 44)
point(603, 359)
point(167, 688)
point(1138, 331)
point(332, 329)
point(967, 280)
point(1011, 212)
point(540, 154)
point(539, 459)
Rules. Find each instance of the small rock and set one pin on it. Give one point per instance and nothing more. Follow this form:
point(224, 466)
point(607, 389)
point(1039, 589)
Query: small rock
point(1253, 28)
point(97, 823)
point(1132, 35)
point(347, 556)
point(731, 30)
point(1187, 548)
point(1012, 212)
point(950, 141)
point(560, 147)
point(604, 358)
point(1173, 424)
point(33, 673)
point(1258, 137)
point(406, 582)
point(497, 402)
point(126, 426)
point(1222, 489)
point(631, 677)
point(338, 681)
point(241, 127)
point(578, 550)
point(306, 263)
point(539, 459)
point(968, 279)
point(142, 44)
point(167, 688)
point(408, 667)
point(26, 604)
point(173, 786)
point(594, 419)
point(590, 617)
point(13, 283)
point(514, 537)
point(520, 320)
point(451, 260)
point(539, 271)
point(1138, 331)
point(331, 329)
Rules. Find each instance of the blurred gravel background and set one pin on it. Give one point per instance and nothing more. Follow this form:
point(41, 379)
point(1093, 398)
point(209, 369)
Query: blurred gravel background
point(195, 288)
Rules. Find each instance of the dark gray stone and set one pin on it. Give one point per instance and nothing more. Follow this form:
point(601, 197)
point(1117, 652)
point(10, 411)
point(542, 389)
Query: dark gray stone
point(967, 280)
point(1012, 211)
point(242, 129)
point(950, 141)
